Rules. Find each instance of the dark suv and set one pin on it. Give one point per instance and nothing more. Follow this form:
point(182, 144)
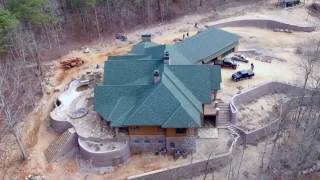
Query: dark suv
point(226, 63)
point(243, 74)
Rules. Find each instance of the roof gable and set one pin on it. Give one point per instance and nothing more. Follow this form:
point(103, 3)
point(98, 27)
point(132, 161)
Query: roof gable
point(130, 72)
point(181, 119)
point(205, 44)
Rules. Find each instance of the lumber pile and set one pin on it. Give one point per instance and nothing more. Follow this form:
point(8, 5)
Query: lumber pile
point(71, 62)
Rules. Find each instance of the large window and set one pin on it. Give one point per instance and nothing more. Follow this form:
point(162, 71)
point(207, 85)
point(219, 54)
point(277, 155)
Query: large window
point(181, 131)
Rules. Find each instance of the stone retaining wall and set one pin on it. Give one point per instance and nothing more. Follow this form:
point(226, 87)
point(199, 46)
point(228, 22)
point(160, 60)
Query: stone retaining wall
point(186, 171)
point(252, 137)
point(107, 158)
point(148, 143)
point(189, 170)
point(266, 24)
point(187, 144)
point(59, 126)
point(262, 90)
point(141, 143)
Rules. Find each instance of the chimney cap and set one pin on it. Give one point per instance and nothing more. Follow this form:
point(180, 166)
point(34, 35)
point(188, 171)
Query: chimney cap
point(146, 37)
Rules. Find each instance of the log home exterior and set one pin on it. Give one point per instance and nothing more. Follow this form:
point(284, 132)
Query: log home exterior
point(158, 92)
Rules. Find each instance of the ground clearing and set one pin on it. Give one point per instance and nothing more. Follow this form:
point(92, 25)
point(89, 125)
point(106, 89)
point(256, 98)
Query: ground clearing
point(283, 46)
point(260, 112)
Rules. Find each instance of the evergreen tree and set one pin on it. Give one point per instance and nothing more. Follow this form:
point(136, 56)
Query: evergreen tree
point(7, 23)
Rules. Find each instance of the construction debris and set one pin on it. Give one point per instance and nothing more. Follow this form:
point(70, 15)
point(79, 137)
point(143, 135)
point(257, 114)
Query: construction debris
point(86, 50)
point(34, 177)
point(282, 30)
point(71, 62)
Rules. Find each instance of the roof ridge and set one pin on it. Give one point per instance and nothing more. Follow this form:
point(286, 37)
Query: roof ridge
point(181, 53)
point(142, 102)
point(185, 103)
point(174, 113)
point(168, 73)
point(115, 107)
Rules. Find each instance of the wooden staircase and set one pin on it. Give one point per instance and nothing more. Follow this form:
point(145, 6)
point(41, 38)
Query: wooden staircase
point(223, 118)
point(61, 145)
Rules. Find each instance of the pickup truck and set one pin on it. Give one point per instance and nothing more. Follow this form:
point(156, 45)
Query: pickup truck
point(226, 63)
point(240, 57)
point(243, 74)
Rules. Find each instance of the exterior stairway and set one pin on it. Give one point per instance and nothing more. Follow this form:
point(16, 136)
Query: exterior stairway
point(223, 118)
point(62, 145)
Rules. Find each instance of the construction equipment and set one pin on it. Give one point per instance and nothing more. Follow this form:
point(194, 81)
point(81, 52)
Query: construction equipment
point(71, 62)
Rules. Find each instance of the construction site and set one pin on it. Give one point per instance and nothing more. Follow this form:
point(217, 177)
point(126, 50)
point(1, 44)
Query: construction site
point(204, 96)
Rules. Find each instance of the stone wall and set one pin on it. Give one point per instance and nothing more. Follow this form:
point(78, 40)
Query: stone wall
point(154, 143)
point(186, 171)
point(189, 170)
point(144, 143)
point(265, 24)
point(59, 126)
point(262, 90)
point(187, 144)
point(105, 158)
point(252, 137)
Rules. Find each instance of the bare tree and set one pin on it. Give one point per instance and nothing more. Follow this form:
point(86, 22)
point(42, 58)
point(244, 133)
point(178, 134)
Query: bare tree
point(11, 103)
point(294, 147)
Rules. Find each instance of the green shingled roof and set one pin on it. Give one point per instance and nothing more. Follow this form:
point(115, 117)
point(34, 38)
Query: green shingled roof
point(129, 96)
point(210, 43)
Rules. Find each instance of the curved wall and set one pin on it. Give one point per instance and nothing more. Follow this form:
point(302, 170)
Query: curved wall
point(106, 158)
point(264, 23)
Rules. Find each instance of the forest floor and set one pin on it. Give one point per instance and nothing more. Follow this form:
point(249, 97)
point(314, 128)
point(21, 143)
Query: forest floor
point(284, 46)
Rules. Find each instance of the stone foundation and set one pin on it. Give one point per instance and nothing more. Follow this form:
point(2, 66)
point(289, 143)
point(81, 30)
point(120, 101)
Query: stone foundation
point(187, 144)
point(147, 143)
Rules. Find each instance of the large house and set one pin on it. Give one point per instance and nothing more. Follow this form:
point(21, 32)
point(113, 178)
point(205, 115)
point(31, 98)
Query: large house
point(157, 93)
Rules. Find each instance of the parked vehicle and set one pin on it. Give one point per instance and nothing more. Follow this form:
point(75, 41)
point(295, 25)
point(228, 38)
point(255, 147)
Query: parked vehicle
point(243, 74)
point(226, 63)
point(120, 37)
point(240, 57)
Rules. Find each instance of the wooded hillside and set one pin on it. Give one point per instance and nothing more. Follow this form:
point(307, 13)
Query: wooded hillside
point(31, 27)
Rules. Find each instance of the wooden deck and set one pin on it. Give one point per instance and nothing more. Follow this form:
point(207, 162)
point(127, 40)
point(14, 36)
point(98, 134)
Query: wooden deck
point(209, 110)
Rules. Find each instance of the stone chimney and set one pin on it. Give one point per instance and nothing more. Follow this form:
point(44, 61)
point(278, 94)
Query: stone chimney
point(146, 37)
point(156, 76)
point(166, 58)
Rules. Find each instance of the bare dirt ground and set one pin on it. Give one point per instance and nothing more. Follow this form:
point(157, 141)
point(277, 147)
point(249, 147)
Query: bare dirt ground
point(260, 111)
point(276, 44)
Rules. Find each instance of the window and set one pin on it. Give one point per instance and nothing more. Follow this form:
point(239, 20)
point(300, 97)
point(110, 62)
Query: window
point(172, 145)
point(156, 73)
point(134, 127)
point(181, 131)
